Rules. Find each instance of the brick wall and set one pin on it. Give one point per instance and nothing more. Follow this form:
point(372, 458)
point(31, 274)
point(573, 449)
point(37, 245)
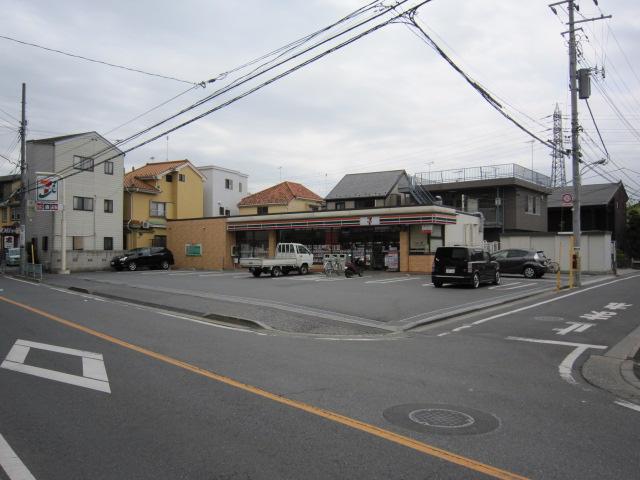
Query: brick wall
point(420, 263)
point(211, 233)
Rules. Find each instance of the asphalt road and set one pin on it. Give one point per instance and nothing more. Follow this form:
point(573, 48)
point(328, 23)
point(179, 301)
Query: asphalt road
point(192, 400)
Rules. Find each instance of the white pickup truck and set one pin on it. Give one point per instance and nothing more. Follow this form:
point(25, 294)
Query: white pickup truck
point(289, 256)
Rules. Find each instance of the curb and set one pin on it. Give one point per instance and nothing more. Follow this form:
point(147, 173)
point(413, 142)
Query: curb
point(215, 317)
point(613, 371)
point(465, 311)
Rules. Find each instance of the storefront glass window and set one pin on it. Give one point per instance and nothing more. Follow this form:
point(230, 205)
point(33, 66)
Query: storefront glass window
point(253, 244)
point(425, 239)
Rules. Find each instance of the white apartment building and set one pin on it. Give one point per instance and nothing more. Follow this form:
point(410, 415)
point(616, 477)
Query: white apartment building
point(91, 195)
point(223, 190)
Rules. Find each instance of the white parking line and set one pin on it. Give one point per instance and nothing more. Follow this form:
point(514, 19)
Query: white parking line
point(624, 403)
point(11, 463)
point(504, 285)
point(393, 280)
point(521, 286)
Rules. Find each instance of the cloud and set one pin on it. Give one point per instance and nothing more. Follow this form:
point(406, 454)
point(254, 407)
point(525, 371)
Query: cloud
point(386, 101)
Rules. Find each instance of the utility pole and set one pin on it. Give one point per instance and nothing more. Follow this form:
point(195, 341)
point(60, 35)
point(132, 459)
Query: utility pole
point(575, 141)
point(24, 182)
point(575, 127)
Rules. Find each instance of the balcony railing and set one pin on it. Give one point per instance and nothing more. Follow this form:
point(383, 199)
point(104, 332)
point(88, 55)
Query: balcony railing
point(507, 170)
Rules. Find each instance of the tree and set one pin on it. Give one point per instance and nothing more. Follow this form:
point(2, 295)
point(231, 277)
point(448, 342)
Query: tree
point(633, 231)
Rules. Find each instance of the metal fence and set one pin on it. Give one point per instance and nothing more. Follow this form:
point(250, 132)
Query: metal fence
point(32, 270)
point(507, 170)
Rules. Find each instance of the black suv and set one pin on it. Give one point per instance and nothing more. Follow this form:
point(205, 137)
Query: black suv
point(152, 257)
point(466, 265)
point(530, 263)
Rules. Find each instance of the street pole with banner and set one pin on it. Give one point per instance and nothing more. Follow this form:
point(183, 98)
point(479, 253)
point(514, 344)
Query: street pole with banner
point(47, 201)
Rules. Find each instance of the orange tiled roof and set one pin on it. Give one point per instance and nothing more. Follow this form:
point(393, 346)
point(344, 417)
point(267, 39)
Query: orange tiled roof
point(131, 182)
point(280, 194)
point(151, 170)
point(135, 179)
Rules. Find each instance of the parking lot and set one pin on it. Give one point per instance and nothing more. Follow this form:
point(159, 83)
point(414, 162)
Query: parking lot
point(383, 300)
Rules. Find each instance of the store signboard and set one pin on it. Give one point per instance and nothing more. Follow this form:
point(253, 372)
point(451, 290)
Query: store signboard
point(47, 193)
point(367, 221)
point(426, 229)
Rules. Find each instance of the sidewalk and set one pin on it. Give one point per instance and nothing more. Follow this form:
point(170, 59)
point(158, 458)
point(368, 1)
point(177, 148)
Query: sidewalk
point(617, 371)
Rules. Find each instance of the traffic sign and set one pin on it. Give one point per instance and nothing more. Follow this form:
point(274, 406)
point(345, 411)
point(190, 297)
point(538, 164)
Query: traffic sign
point(567, 199)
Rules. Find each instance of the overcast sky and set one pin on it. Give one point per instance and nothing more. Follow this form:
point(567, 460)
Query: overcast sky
point(386, 101)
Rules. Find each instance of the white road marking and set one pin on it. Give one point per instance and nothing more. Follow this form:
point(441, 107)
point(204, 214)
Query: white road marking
point(94, 374)
point(544, 302)
point(22, 281)
point(573, 326)
point(11, 463)
point(427, 284)
point(624, 403)
point(566, 367)
point(443, 334)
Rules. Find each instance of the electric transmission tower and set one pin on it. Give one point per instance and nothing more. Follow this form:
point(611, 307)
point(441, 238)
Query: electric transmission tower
point(558, 174)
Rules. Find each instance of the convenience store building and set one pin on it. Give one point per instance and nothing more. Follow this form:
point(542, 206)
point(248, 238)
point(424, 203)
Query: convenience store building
point(400, 239)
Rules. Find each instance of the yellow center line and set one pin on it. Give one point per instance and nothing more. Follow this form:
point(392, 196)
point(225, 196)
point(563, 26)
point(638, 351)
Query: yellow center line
point(327, 414)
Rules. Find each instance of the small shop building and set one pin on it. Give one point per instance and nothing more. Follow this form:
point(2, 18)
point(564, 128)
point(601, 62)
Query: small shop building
point(400, 239)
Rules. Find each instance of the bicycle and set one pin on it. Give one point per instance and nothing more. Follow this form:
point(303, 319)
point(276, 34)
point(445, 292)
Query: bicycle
point(553, 267)
point(327, 267)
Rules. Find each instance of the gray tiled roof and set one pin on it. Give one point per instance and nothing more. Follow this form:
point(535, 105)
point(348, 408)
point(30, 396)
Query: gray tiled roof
point(58, 139)
point(366, 185)
point(598, 194)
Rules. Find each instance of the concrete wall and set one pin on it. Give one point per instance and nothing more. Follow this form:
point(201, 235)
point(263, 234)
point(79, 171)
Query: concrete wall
point(216, 195)
point(595, 249)
point(79, 261)
point(211, 233)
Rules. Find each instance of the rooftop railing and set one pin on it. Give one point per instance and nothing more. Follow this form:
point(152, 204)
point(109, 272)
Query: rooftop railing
point(507, 170)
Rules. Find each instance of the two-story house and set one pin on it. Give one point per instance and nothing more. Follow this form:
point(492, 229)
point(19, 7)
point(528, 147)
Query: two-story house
point(281, 198)
point(9, 212)
point(223, 190)
point(372, 189)
point(603, 207)
point(510, 197)
point(155, 193)
point(90, 169)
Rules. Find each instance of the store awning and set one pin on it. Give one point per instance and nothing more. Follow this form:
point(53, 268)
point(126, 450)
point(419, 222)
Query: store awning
point(437, 218)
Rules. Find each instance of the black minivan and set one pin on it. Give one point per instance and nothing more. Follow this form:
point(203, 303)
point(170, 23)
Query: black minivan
point(464, 265)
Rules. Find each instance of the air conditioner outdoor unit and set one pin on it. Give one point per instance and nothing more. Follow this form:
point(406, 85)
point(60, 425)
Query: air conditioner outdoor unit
point(146, 225)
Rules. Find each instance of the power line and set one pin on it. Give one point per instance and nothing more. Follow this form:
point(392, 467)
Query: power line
point(251, 90)
point(81, 57)
point(597, 129)
point(483, 92)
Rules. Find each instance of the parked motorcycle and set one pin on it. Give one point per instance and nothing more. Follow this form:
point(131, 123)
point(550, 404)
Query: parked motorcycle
point(354, 267)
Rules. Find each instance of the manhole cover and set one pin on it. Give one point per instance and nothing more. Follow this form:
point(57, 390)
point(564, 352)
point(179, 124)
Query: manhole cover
point(441, 419)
